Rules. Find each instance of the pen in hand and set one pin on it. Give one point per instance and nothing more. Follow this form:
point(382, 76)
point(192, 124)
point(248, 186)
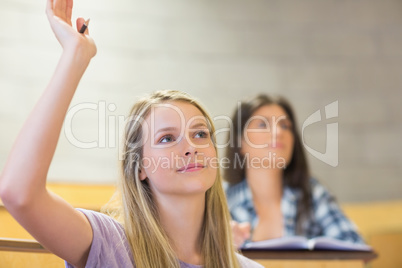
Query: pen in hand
point(84, 26)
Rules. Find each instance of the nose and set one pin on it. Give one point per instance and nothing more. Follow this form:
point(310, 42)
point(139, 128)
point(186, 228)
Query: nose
point(277, 131)
point(190, 148)
point(189, 153)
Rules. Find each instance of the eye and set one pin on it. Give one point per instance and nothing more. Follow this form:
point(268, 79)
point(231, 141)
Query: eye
point(201, 134)
point(166, 139)
point(261, 124)
point(285, 125)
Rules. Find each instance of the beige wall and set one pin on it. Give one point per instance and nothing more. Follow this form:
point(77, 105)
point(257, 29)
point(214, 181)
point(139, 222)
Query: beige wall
point(313, 52)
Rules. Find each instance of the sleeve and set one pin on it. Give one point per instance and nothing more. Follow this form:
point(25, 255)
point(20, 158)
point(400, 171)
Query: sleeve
point(109, 246)
point(247, 263)
point(331, 219)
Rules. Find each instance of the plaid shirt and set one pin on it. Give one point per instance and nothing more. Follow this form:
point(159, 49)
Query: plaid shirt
point(327, 218)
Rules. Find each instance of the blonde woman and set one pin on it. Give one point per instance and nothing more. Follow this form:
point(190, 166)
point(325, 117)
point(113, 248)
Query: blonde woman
point(173, 204)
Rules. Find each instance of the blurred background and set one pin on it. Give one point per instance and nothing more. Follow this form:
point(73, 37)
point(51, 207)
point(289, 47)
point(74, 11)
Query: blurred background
point(313, 52)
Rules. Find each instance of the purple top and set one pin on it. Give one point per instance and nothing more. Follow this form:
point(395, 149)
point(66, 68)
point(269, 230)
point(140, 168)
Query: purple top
point(110, 247)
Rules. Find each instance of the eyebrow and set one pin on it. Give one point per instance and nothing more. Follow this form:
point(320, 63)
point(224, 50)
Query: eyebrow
point(269, 119)
point(167, 129)
point(199, 125)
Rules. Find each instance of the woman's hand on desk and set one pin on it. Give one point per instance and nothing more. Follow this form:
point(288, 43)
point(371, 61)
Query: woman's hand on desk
point(241, 232)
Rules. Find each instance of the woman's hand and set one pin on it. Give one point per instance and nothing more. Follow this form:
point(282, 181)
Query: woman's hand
point(59, 16)
point(241, 232)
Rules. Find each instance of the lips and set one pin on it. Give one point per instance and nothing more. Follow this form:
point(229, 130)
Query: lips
point(191, 167)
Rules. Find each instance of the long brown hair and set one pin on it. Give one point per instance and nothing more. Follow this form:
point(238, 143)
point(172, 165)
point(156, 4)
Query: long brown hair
point(296, 173)
point(149, 242)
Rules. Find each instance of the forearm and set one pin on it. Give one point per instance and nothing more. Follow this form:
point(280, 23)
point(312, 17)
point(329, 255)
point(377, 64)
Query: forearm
point(25, 172)
point(270, 222)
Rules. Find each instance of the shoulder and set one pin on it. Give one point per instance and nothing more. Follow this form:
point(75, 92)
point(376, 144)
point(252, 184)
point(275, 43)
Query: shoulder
point(109, 246)
point(324, 203)
point(102, 222)
point(247, 263)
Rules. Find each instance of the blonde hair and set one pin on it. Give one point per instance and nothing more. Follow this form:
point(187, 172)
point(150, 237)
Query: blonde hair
point(148, 240)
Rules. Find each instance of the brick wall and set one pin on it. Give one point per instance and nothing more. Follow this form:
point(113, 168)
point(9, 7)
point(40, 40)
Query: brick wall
point(313, 52)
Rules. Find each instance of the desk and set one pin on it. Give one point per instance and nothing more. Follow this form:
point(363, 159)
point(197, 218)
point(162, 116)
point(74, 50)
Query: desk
point(310, 259)
point(24, 253)
point(18, 253)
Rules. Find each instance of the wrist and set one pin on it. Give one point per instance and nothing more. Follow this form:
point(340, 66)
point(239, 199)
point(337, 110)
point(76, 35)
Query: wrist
point(77, 54)
point(267, 211)
point(75, 59)
point(80, 49)
point(267, 201)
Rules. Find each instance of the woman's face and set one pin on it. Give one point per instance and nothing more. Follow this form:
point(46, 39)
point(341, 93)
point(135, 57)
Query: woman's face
point(268, 138)
point(178, 153)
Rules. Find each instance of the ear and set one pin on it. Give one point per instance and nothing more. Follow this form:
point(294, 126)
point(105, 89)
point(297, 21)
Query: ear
point(142, 174)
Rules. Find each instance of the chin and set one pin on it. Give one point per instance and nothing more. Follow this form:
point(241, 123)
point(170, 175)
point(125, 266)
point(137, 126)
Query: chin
point(200, 187)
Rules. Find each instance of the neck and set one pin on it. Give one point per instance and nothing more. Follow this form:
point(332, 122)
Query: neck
point(266, 181)
point(181, 218)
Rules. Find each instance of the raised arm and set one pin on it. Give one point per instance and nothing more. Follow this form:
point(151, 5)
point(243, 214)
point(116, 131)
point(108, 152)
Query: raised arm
point(53, 222)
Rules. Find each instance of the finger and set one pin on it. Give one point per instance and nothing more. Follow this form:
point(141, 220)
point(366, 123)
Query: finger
point(63, 5)
point(238, 240)
point(80, 23)
point(245, 229)
point(59, 8)
point(245, 225)
point(49, 8)
point(69, 10)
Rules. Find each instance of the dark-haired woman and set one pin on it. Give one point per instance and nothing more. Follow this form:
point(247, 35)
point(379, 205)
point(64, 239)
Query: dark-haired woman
point(269, 189)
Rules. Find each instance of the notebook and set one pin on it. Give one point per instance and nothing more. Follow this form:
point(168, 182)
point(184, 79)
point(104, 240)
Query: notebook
point(302, 243)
